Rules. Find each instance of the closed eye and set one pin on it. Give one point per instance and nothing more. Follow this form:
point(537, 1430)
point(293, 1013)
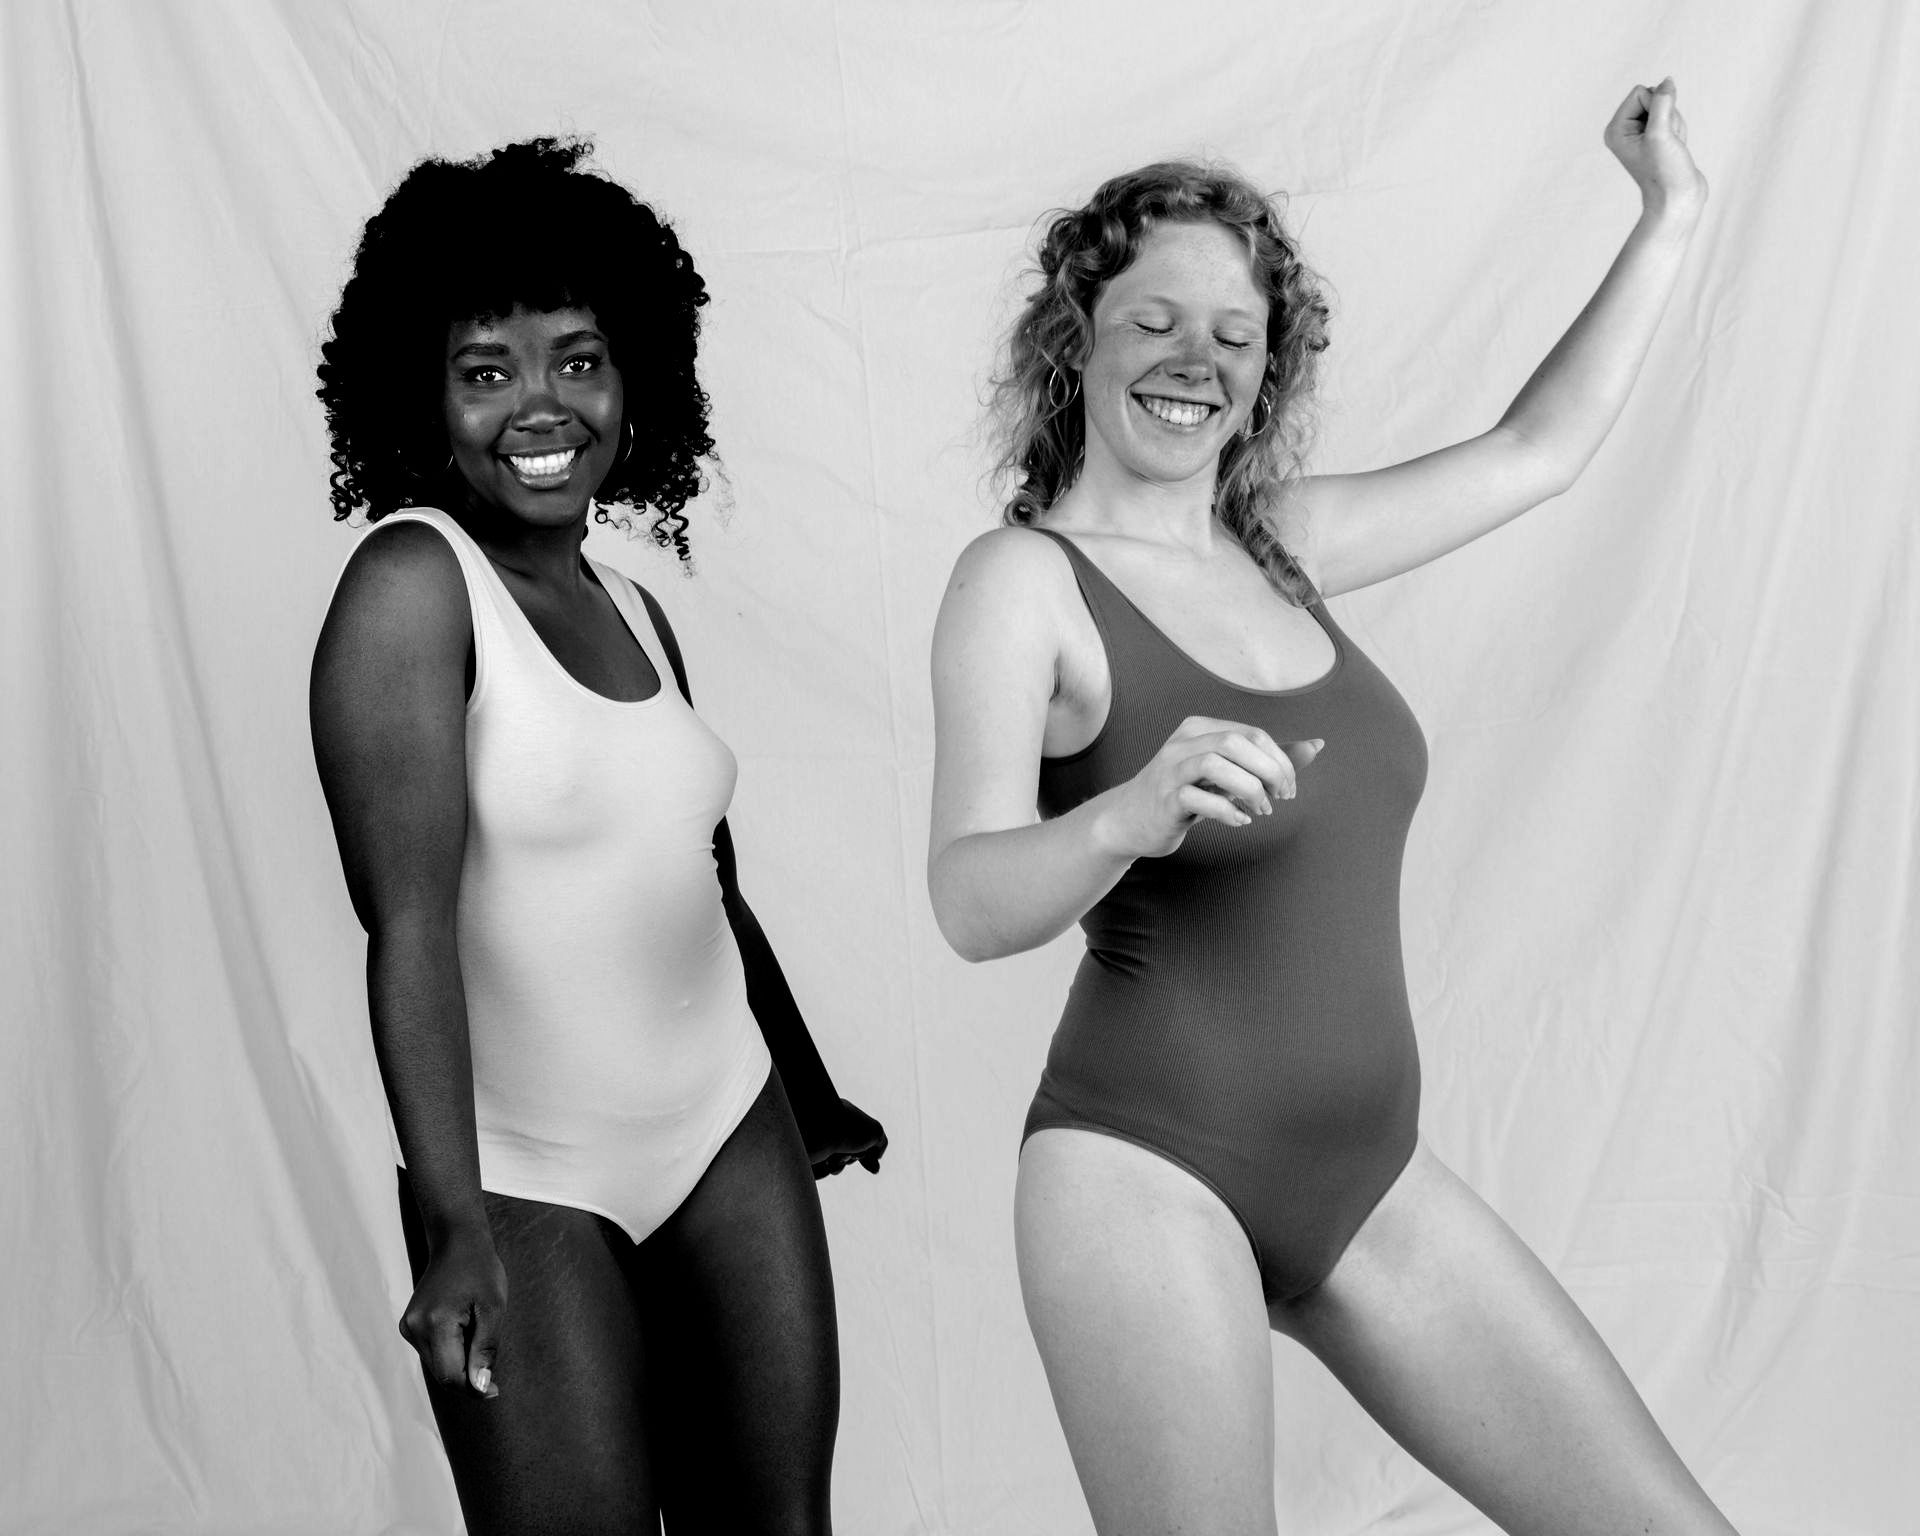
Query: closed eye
point(1154, 330)
point(1234, 342)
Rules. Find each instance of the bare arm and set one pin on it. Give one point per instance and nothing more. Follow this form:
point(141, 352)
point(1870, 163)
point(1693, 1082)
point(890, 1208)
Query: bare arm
point(1363, 528)
point(1001, 881)
point(388, 713)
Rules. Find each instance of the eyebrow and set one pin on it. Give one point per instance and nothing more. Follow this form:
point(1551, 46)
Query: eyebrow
point(1235, 313)
point(500, 349)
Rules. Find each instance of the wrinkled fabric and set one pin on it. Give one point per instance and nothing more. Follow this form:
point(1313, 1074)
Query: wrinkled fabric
point(1660, 901)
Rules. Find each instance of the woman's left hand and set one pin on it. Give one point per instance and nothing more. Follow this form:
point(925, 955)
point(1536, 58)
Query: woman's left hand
point(1649, 137)
point(850, 1135)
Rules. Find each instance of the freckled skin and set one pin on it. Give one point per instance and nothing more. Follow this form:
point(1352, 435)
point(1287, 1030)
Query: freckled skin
point(1185, 322)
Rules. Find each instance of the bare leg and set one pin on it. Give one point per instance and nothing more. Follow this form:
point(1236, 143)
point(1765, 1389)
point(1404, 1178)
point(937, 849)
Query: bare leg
point(1449, 1331)
point(563, 1448)
point(745, 1378)
point(1146, 1305)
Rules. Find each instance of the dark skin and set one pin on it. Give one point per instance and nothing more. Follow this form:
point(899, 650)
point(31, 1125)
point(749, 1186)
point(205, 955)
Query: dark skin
point(532, 410)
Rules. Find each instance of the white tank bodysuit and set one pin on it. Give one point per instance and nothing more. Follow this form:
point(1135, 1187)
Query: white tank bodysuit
point(613, 1050)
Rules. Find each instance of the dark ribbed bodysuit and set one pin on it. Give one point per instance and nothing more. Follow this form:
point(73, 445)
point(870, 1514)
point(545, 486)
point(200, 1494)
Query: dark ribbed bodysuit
point(1242, 1009)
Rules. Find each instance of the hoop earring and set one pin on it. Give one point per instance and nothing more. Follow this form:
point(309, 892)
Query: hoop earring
point(1055, 381)
point(1256, 422)
point(626, 446)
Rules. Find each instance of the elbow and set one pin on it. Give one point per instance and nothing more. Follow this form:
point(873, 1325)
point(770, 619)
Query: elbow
point(974, 948)
point(1557, 476)
point(1552, 461)
point(962, 937)
point(966, 935)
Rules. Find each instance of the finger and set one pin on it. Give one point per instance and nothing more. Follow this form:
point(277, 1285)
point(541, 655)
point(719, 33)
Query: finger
point(1223, 776)
point(442, 1343)
point(1249, 747)
point(1205, 725)
point(1631, 114)
point(1194, 801)
point(871, 1160)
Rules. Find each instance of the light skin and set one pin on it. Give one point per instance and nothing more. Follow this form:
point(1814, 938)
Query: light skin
point(1139, 1284)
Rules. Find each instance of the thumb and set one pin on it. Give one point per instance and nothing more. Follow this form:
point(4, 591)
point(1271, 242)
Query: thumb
point(1660, 109)
point(1303, 752)
point(482, 1345)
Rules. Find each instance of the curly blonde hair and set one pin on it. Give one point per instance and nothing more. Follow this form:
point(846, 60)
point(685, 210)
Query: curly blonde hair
point(1035, 397)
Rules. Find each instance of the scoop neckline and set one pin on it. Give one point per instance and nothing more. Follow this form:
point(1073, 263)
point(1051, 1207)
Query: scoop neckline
point(553, 661)
point(1317, 610)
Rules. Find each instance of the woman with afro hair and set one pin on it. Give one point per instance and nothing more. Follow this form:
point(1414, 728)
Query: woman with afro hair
point(622, 1300)
point(1224, 1143)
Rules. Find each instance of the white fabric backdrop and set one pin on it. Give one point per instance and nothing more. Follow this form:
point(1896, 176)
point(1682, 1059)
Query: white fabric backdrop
point(1660, 901)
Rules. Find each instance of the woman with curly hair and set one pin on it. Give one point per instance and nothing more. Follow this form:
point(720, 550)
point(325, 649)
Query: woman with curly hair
point(622, 1300)
point(1224, 1141)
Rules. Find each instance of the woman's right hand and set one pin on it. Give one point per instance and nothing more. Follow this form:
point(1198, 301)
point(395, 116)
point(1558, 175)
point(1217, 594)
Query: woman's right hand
point(1219, 770)
point(455, 1314)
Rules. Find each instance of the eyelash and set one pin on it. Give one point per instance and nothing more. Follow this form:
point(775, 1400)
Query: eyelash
point(1167, 330)
point(473, 375)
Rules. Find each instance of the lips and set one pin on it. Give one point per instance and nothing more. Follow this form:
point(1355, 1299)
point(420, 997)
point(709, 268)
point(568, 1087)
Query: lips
point(1184, 414)
point(542, 470)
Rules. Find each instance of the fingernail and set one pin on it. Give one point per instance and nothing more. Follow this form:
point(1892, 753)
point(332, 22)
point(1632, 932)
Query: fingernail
point(1287, 792)
point(1317, 744)
point(1242, 819)
point(1266, 805)
point(482, 1379)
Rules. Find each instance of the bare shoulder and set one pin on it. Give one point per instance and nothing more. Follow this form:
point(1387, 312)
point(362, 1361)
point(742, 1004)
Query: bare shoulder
point(402, 588)
point(1018, 567)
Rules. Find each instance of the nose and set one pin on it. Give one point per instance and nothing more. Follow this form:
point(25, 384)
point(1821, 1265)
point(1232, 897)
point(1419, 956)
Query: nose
point(1192, 360)
point(539, 408)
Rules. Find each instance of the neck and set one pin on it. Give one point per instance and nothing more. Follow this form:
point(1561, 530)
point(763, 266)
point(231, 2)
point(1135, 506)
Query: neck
point(1109, 499)
point(548, 555)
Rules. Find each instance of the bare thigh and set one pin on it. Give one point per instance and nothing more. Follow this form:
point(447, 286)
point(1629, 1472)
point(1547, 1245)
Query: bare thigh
point(1448, 1330)
point(745, 1355)
point(1145, 1302)
point(695, 1376)
point(563, 1448)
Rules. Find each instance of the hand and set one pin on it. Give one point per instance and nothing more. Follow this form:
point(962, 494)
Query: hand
point(455, 1315)
point(1649, 137)
point(1215, 770)
point(850, 1135)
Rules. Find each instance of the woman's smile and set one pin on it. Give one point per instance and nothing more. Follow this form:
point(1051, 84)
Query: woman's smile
point(533, 408)
point(548, 471)
point(1175, 413)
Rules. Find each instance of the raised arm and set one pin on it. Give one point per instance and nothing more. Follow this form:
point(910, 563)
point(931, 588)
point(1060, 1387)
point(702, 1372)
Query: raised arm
point(1363, 528)
point(1001, 880)
point(388, 712)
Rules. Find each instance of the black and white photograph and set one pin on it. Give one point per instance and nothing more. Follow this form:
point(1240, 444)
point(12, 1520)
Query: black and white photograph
point(975, 768)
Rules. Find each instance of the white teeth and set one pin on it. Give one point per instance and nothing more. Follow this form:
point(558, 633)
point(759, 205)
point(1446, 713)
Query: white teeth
point(1177, 413)
point(537, 466)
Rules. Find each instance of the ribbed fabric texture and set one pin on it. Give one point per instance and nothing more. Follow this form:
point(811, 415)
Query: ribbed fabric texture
point(1242, 1009)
